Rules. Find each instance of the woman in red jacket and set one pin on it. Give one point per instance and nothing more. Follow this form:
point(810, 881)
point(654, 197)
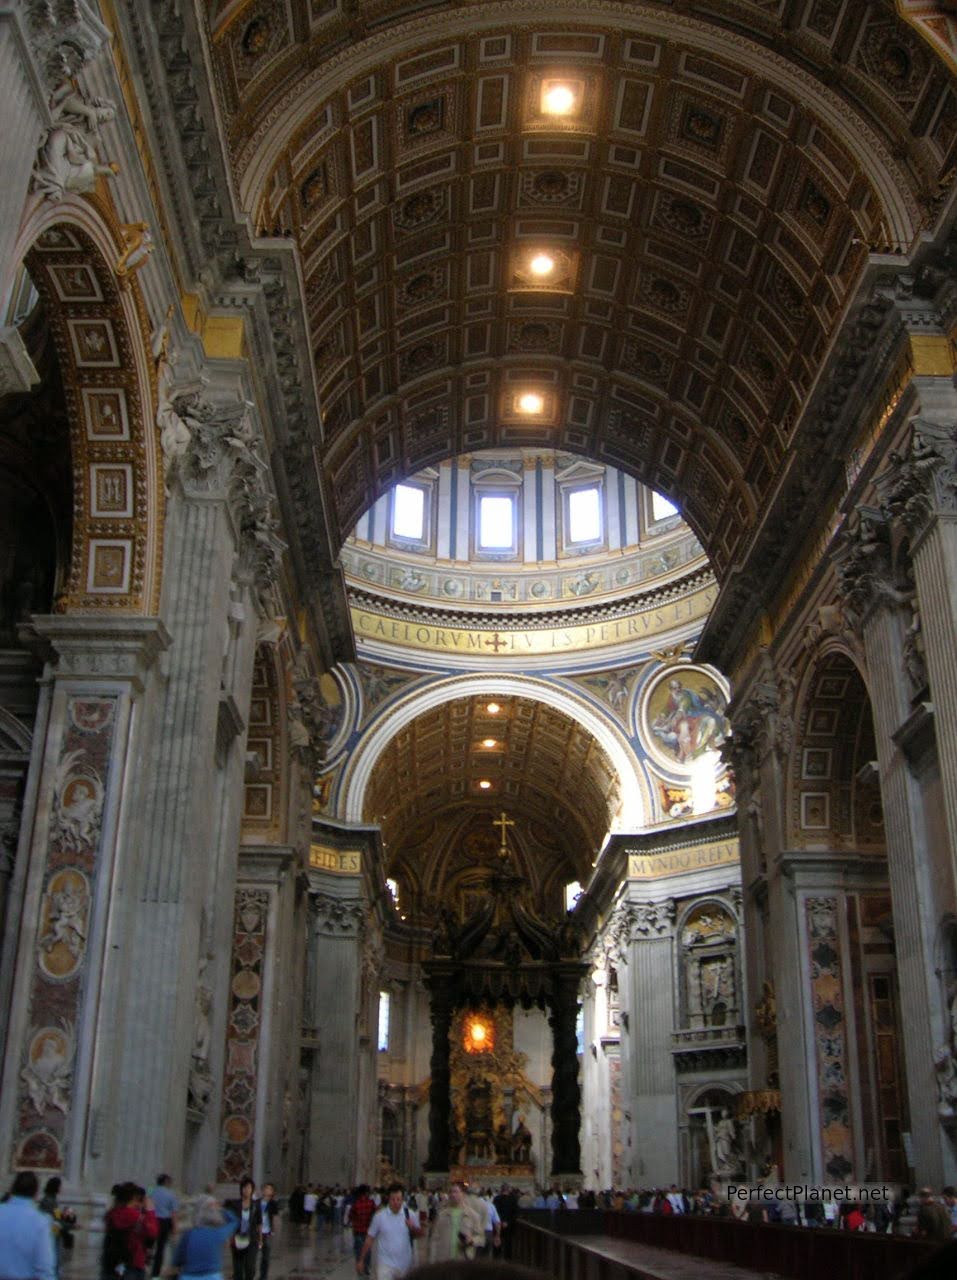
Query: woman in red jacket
point(131, 1227)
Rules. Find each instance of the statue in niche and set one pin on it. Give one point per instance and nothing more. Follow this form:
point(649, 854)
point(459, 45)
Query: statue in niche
point(200, 1084)
point(726, 1156)
point(521, 1143)
point(503, 1144)
point(945, 1068)
point(480, 1143)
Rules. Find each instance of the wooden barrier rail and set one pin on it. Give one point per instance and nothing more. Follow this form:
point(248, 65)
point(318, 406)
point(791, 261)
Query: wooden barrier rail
point(801, 1253)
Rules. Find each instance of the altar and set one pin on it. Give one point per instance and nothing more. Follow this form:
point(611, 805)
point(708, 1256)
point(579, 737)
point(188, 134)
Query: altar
point(487, 1122)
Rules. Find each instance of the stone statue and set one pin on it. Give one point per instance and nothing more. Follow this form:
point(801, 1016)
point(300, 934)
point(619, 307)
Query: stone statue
point(177, 416)
point(67, 159)
point(503, 1144)
point(945, 1069)
point(725, 1156)
point(478, 1120)
point(200, 1077)
point(521, 1143)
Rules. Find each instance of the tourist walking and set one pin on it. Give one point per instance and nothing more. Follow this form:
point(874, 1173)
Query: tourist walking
point(130, 1228)
point(165, 1206)
point(459, 1230)
point(268, 1213)
point(246, 1241)
point(359, 1214)
point(392, 1229)
point(26, 1241)
point(199, 1251)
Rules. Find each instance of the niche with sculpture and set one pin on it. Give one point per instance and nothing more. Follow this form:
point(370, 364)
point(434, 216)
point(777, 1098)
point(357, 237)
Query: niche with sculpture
point(708, 958)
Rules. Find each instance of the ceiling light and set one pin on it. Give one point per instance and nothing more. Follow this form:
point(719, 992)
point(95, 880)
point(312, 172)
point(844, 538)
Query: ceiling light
point(531, 402)
point(557, 99)
point(485, 785)
point(493, 708)
point(542, 264)
point(478, 1032)
point(489, 742)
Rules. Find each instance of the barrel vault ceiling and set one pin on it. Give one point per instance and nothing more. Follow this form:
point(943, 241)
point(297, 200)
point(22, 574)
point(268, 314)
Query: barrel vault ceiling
point(541, 765)
point(708, 202)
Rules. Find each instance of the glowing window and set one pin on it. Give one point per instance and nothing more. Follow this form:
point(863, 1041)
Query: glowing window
point(580, 1031)
point(384, 1002)
point(408, 512)
point(393, 887)
point(584, 515)
point(661, 508)
point(496, 523)
point(573, 891)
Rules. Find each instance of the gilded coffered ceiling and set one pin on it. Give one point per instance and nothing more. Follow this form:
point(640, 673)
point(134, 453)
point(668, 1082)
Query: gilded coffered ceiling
point(706, 199)
point(543, 768)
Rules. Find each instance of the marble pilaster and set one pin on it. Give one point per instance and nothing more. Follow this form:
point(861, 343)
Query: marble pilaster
point(75, 839)
point(871, 579)
point(647, 986)
point(338, 920)
point(920, 491)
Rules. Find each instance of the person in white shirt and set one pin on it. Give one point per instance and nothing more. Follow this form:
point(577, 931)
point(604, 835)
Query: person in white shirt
point(676, 1200)
point(309, 1202)
point(392, 1229)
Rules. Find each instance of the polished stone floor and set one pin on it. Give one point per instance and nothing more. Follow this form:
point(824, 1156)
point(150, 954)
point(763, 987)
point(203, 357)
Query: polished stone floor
point(297, 1254)
point(302, 1255)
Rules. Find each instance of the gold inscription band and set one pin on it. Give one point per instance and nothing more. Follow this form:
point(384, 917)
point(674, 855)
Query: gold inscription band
point(344, 862)
point(549, 640)
point(676, 862)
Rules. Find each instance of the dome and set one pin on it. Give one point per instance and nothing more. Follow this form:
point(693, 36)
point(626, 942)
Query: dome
point(534, 530)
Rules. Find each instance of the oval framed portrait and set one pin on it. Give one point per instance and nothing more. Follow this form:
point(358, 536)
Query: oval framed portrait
point(682, 716)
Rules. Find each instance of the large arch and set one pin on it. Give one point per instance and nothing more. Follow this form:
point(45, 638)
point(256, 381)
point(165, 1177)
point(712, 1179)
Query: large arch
point(352, 789)
point(101, 334)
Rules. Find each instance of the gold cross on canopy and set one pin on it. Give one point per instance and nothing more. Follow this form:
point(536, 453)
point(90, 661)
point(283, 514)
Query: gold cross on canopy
point(504, 823)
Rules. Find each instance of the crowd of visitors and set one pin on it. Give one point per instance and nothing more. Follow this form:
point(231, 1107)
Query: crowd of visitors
point(385, 1225)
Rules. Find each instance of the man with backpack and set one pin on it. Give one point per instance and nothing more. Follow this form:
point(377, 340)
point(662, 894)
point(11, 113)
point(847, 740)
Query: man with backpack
point(393, 1228)
point(131, 1227)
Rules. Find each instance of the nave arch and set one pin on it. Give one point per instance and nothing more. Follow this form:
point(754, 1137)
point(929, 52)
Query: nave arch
point(101, 334)
point(352, 791)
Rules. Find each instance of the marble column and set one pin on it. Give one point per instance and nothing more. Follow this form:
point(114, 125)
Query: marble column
point(76, 837)
point(873, 578)
point(566, 1090)
point(440, 1083)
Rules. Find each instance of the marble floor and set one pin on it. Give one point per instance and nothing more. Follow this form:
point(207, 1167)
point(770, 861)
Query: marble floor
point(297, 1254)
point(301, 1255)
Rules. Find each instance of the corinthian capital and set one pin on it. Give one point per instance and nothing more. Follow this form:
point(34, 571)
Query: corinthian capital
point(870, 567)
point(64, 35)
point(921, 480)
point(636, 921)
